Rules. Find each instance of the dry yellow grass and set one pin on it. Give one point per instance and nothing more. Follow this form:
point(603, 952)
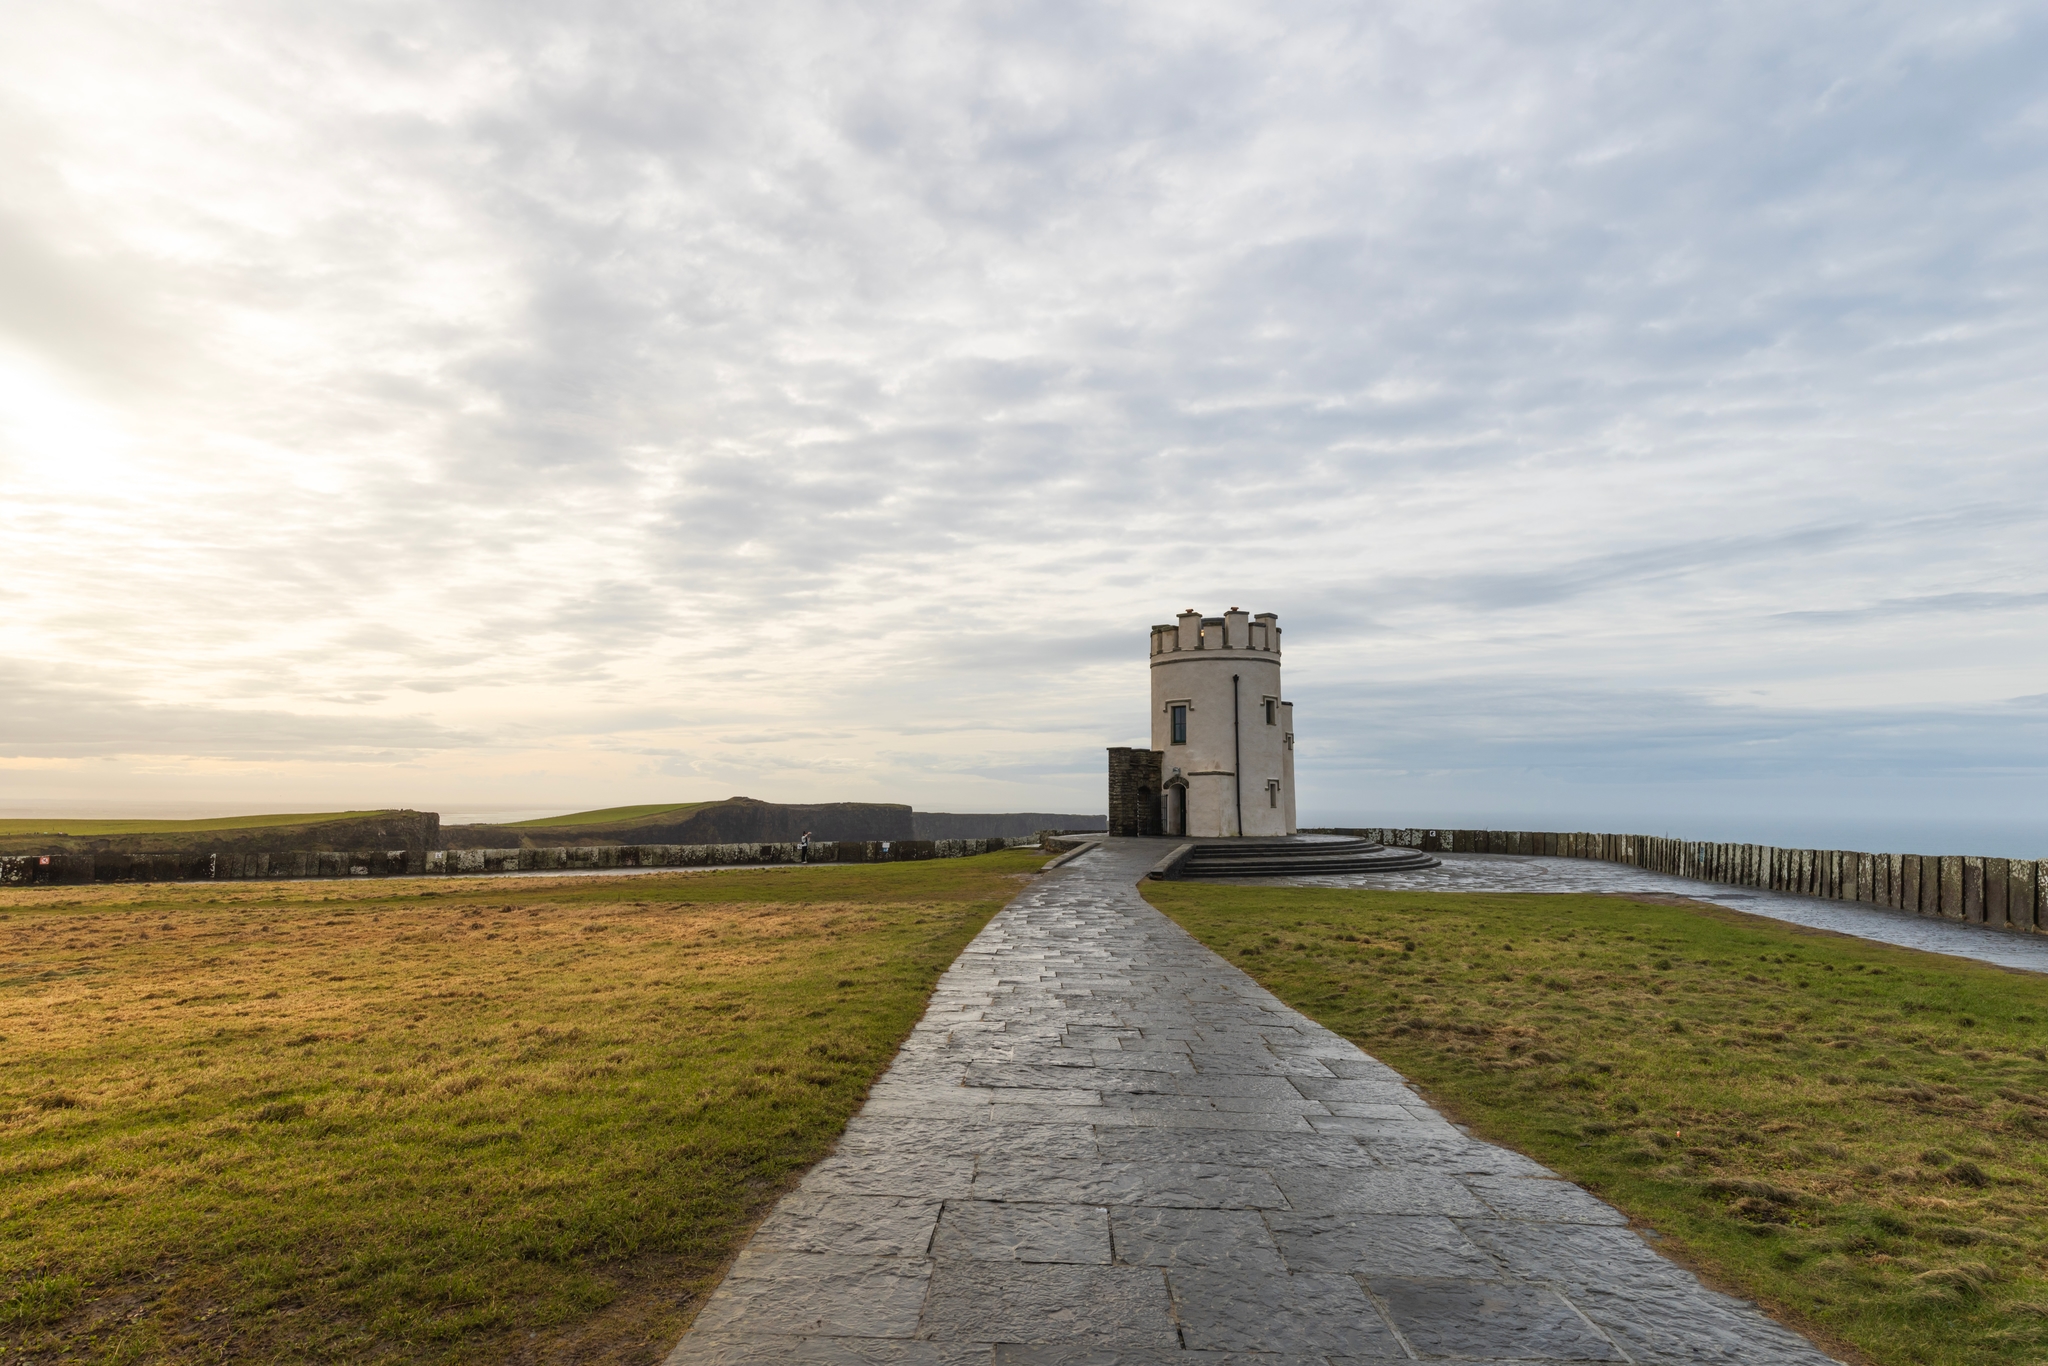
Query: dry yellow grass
point(511, 1119)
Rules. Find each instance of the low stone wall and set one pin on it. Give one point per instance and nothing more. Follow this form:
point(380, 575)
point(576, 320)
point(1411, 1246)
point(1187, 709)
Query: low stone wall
point(2010, 894)
point(82, 868)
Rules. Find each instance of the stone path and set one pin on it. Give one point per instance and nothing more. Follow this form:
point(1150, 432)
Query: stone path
point(1104, 1145)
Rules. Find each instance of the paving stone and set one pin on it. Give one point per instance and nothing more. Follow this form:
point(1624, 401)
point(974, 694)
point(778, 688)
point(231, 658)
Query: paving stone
point(720, 1349)
point(1236, 1148)
point(1353, 1092)
point(1453, 1154)
point(801, 1293)
point(935, 1176)
point(1252, 1062)
point(1233, 1311)
point(1574, 1255)
point(1217, 1238)
point(1025, 1111)
point(935, 1137)
point(1061, 1354)
point(1662, 1326)
point(1152, 1100)
point(1374, 1191)
point(983, 1230)
point(849, 1225)
point(1203, 1083)
point(1004, 1096)
point(1127, 1061)
point(1489, 1320)
point(1088, 1083)
point(1104, 1306)
point(1192, 1185)
point(1361, 1110)
point(911, 1109)
point(1364, 1069)
point(1063, 1078)
point(1379, 1245)
point(1541, 1200)
point(1207, 1119)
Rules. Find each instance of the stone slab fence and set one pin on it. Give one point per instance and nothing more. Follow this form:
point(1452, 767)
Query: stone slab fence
point(2008, 894)
point(26, 869)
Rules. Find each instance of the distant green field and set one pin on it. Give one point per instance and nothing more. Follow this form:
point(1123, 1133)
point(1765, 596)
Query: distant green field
point(611, 815)
point(65, 825)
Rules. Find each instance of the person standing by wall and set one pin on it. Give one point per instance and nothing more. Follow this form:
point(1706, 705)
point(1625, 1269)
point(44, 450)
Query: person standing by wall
point(803, 847)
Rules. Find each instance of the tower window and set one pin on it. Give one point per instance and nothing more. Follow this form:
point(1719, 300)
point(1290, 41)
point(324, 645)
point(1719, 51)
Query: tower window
point(1180, 724)
point(1272, 712)
point(1273, 792)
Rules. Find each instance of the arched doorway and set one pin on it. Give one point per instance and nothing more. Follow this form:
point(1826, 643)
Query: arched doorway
point(1173, 800)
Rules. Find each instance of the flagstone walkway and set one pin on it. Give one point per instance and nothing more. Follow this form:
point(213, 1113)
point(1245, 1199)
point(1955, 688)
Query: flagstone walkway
point(1104, 1145)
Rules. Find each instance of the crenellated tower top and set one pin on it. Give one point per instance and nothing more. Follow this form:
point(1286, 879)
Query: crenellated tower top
point(1234, 631)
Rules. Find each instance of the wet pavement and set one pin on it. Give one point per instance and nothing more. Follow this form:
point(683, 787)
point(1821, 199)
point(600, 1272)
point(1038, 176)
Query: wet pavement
point(1528, 873)
point(1103, 1145)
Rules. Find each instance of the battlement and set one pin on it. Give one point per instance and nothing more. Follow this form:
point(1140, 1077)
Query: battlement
point(1234, 630)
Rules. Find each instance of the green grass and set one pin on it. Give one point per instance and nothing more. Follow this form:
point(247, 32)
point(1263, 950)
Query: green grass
point(1848, 1132)
point(611, 815)
point(65, 825)
point(493, 1120)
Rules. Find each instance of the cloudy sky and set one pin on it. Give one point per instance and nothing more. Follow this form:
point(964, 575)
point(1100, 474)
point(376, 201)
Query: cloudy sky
point(1636, 415)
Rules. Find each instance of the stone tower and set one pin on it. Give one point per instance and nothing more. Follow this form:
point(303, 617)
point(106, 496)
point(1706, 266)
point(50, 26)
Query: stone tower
point(1222, 755)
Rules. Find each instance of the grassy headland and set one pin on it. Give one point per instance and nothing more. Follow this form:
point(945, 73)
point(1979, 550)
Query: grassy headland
point(506, 1120)
point(389, 829)
point(64, 825)
point(610, 815)
point(1848, 1132)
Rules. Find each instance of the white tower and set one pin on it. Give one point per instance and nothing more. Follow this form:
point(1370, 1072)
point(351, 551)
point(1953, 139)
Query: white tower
point(1225, 737)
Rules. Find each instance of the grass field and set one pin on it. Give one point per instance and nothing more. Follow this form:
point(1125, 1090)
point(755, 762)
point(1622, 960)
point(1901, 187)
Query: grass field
point(611, 815)
point(1847, 1132)
point(62, 825)
point(503, 1120)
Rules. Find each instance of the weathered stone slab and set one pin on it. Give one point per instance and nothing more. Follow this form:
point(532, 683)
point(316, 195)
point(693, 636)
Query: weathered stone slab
point(1103, 1306)
point(1453, 1154)
point(933, 1138)
point(1379, 1245)
point(1305, 1312)
point(1187, 1185)
point(1230, 1239)
point(979, 1230)
point(811, 1294)
point(1489, 1320)
point(1375, 1192)
point(1542, 1201)
point(1660, 1324)
point(747, 1349)
point(2021, 909)
point(1235, 1148)
point(1951, 887)
point(935, 1176)
point(1574, 1256)
point(848, 1225)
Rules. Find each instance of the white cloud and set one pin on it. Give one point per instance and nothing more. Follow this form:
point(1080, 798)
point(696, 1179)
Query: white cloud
point(605, 402)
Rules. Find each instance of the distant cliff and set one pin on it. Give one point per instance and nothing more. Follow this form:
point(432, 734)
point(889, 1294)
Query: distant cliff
point(738, 820)
point(415, 831)
point(945, 825)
